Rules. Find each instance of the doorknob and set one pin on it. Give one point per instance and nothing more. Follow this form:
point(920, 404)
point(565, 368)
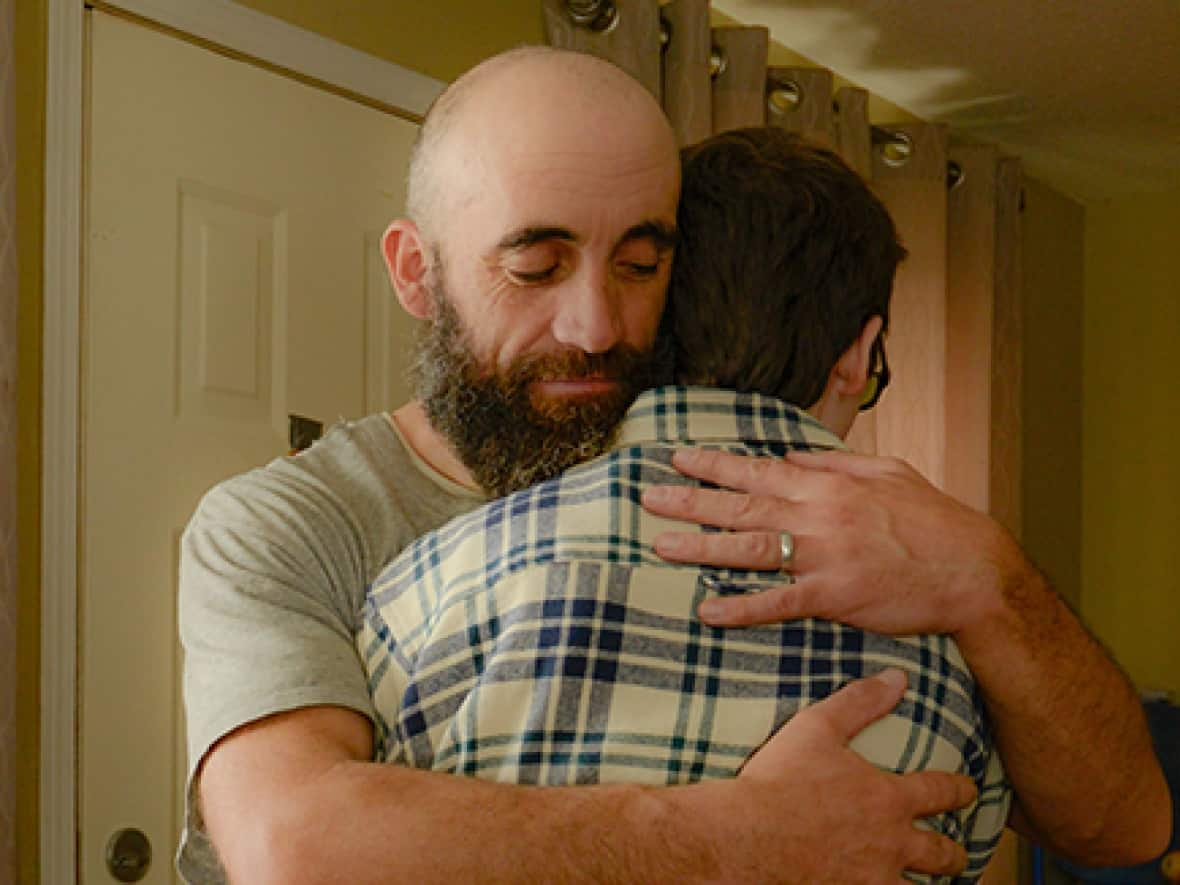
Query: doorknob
point(129, 854)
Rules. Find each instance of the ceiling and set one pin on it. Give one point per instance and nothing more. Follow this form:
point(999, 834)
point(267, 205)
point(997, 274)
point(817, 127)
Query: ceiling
point(1085, 92)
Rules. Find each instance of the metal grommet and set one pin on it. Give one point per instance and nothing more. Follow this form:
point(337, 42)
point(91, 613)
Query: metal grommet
point(783, 96)
point(597, 15)
point(718, 62)
point(954, 175)
point(896, 147)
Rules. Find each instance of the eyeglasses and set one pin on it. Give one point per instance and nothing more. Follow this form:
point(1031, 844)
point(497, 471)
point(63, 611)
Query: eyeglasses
point(878, 375)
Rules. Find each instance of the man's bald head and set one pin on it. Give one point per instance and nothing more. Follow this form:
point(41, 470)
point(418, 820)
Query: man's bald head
point(529, 98)
point(542, 208)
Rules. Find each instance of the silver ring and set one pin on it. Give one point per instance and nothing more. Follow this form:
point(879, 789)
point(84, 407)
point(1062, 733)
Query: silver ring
point(786, 543)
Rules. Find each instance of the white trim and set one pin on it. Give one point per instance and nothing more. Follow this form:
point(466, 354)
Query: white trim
point(59, 440)
point(275, 42)
point(240, 30)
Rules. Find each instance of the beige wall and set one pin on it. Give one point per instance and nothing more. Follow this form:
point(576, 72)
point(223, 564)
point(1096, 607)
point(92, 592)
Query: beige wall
point(1130, 460)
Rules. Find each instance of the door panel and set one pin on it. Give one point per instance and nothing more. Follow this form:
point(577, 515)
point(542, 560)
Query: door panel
point(231, 278)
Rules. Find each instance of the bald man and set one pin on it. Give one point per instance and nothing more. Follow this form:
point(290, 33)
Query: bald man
point(543, 197)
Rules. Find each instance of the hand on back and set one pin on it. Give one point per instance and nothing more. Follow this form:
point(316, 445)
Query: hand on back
point(876, 546)
point(807, 809)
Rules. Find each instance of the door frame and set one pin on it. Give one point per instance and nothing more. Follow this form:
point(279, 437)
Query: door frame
point(228, 28)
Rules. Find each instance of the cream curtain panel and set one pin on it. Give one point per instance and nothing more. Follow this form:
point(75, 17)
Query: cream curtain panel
point(953, 408)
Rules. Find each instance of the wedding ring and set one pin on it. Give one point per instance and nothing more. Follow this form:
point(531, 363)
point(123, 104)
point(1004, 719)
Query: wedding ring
point(786, 543)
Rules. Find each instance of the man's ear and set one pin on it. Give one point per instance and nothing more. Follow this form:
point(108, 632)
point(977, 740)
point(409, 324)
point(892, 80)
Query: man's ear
point(851, 372)
point(408, 259)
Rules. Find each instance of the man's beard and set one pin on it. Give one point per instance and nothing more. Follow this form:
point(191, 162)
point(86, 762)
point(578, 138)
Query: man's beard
point(508, 440)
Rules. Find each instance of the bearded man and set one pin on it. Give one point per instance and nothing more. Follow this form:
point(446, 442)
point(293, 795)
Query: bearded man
point(543, 197)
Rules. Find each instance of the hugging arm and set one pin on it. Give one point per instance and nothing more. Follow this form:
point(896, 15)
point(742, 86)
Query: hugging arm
point(287, 791)
point(293, 798)
point(878, 547)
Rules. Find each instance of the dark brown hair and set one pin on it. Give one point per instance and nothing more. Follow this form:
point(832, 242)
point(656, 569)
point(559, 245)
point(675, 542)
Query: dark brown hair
point(784, 255)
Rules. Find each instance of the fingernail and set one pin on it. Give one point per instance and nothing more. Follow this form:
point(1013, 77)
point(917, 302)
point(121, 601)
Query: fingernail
point(655, 495)
point(711, 610)
point(894, 678)
point(668, 544)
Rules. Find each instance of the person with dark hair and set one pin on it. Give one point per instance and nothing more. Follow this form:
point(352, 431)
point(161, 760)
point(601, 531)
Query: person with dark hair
point(784, 258)
point(540, 640)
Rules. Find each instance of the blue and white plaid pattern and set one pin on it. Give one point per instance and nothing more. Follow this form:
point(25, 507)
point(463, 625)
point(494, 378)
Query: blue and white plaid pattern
point(539, 639)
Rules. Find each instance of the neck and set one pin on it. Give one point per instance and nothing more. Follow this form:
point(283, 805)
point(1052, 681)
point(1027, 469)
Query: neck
point(430, 445)
point(834, 413)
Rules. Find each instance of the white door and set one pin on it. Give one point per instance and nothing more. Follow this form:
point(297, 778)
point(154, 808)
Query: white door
point(232, 277)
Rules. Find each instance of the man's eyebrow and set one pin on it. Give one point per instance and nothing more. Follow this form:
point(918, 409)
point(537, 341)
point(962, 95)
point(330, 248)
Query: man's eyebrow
point(661, 233)
point(519, 239)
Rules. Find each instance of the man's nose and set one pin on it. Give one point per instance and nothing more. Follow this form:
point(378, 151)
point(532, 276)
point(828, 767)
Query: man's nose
point(587, 315)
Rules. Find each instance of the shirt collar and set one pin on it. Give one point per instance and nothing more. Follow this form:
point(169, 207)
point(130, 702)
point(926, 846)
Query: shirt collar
point(698, 415)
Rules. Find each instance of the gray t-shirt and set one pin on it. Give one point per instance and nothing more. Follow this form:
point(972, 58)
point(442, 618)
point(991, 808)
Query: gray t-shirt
point(273, 572)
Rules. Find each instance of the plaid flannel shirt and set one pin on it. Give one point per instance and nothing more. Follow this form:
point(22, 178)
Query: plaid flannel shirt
point(538, 639)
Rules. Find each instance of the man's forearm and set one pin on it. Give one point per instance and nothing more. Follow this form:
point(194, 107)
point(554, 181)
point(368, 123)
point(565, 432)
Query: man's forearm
point(882, 549)
point(288, 800)
point(368, 823)
point(1070, 728)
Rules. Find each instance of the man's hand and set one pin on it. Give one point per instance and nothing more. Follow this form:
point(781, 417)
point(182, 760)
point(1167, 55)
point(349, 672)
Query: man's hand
point(860, 818)
point(876, 546)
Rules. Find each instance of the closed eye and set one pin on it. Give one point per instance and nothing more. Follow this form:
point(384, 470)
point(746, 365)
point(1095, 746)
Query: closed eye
point(637, 269)
point(640, 270)
point(531, 277)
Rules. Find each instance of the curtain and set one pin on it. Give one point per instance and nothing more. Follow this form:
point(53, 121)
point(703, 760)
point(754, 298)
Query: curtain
point(953, 409)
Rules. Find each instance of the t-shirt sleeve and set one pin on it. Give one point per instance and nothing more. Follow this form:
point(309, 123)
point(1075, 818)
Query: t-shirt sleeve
point(269, 572)
point(274, 566)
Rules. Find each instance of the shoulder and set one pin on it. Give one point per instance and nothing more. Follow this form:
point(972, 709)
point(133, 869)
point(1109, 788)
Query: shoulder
point(356, 488)
point(343, 467)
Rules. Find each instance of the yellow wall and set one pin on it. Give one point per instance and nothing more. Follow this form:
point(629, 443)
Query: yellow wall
point(1131, 465)
point(439, 38)
point(1052, 249)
